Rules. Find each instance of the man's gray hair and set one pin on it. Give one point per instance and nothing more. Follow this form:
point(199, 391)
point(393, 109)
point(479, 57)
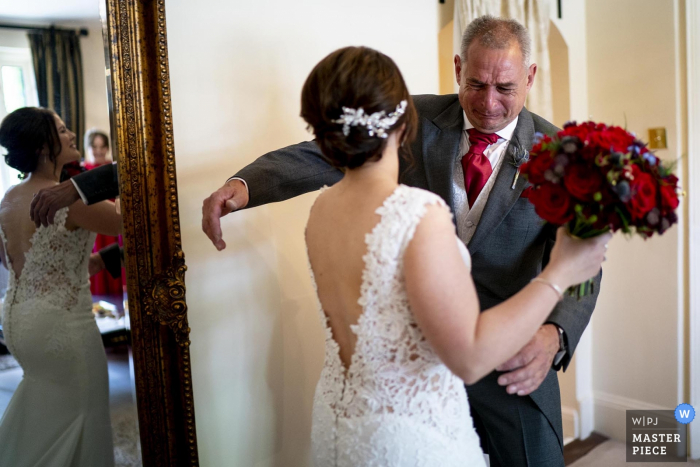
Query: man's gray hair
point(496, 33)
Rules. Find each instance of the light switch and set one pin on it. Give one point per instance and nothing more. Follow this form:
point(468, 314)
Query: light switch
point(657, 138)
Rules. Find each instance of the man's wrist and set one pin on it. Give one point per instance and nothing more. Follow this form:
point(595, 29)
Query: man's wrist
point(559, 339)
point(79, 192)
point(245, 184)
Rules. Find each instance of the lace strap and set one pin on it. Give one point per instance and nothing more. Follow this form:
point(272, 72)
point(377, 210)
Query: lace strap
point(60, 218)
point(416, 206)
point(6, 259)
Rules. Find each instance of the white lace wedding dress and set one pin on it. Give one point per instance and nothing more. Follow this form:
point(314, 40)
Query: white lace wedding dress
point(59, 414)
point(398, 405)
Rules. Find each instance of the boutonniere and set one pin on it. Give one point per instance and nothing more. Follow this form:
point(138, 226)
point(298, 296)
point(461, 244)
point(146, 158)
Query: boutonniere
point(519, 155)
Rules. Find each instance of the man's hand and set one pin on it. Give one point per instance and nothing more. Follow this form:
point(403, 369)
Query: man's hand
point(528, 368)
point(95, 264)
point(230, 197)
point(49, 200)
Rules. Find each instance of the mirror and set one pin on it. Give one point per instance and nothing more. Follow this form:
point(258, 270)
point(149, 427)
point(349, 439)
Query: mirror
point(109, 363)
point(237, 71)
point(72, 368)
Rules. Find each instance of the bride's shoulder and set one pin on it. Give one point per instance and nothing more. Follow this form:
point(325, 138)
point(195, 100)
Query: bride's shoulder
point(420, 198)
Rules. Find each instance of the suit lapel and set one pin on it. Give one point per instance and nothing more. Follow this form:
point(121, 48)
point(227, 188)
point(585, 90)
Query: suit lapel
point(441, 139)
point(502, 196)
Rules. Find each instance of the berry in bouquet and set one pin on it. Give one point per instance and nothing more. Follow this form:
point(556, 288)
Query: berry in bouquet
point(597, 178)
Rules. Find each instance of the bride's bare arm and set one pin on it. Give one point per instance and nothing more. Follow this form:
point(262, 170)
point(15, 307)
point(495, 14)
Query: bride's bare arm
point(100, 217)
point(445, 304)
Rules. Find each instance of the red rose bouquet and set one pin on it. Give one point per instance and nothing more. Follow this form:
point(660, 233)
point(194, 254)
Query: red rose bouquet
point(598, 178)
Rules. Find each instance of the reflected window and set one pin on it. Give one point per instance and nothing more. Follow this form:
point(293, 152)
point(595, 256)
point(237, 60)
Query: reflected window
point(17, 89)
point(13, 89)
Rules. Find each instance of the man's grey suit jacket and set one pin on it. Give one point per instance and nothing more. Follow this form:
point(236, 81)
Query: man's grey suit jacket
point(511, 243)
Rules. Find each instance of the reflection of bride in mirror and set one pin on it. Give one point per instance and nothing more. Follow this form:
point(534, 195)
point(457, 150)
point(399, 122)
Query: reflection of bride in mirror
point(59, 415)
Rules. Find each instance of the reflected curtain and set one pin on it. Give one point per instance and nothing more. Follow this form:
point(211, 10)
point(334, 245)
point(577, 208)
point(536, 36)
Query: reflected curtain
point(58, 67)
point(534, 15)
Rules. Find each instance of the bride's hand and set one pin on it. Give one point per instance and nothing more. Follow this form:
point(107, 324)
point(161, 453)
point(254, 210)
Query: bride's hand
point(574, 260)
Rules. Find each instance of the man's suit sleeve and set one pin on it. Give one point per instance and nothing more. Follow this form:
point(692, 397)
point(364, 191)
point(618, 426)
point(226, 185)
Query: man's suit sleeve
point(98, 184)
point(286, 173)
point(572, 314)
point(112, 257)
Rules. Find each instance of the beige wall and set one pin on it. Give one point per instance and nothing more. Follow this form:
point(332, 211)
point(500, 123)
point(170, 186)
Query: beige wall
point(237, 69)
point(634, 77)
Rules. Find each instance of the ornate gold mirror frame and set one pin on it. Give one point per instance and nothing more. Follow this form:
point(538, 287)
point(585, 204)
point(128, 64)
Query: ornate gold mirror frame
point(155, 263)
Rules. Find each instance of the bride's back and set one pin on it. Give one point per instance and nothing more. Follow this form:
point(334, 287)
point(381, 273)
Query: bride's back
point(17, 225)
point(335, 238)
point(46, 261)
point(358, 106)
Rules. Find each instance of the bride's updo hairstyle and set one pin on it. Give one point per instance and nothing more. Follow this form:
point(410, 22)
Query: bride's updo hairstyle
point(355, 78)
point(24, 133)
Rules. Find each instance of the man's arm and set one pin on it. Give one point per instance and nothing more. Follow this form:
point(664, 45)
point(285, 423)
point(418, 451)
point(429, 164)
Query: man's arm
point(92, 187)
point(98, 184)
point(572, 315)
point(526, 370)
point(286, 173)
point(276, 176)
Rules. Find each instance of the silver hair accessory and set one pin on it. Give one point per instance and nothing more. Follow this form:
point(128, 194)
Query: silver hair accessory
point(376, 123)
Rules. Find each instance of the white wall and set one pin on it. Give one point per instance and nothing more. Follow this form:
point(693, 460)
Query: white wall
point(237, 69)
point(635, 79)
point(570, 98)
point(13, 38)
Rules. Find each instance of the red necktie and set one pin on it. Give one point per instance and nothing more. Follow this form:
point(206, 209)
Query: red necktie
point(477, 167)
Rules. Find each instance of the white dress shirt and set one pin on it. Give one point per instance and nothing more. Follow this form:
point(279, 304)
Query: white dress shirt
point(80, 192)
point(467, 219)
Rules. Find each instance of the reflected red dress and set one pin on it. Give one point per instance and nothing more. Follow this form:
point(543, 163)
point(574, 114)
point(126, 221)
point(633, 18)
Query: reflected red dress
point(103, 283)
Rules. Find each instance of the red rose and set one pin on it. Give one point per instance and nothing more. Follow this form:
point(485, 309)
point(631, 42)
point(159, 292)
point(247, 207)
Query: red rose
point(619, 138)
point(581, 132)
point(537, 148)
point(669, 197)
point(643, 188)
point(609, 218)
point(583, 181)
point(536, 167)
point(552, 203)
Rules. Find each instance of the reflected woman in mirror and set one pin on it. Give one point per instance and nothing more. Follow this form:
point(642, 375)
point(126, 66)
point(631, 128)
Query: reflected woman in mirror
point(59, 414)
point(400, 310)
point(97, 147)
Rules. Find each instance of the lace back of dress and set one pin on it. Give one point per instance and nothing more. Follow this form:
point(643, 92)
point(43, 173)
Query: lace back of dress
point(394, 370)
point(55, 264)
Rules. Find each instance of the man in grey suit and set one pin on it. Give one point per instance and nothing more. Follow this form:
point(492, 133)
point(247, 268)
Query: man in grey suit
point(516, 409)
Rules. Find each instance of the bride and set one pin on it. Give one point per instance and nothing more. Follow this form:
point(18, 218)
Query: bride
point(59, 414)
point(403, 328)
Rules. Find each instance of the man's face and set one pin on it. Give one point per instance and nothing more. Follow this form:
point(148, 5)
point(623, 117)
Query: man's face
point(493, 84)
